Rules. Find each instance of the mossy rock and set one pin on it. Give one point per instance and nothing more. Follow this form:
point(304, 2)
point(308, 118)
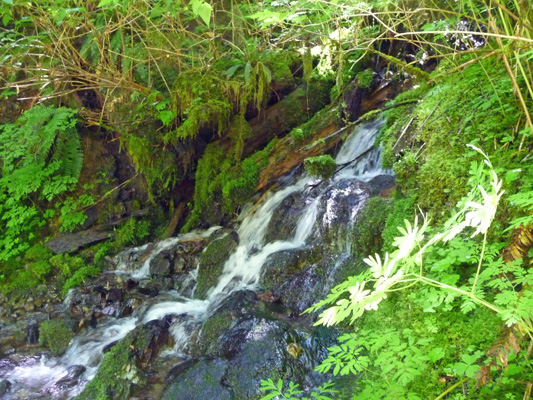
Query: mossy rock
point(281, 266)
point(212, 262)
point(55, 335)
point(201, 381)
point(323, 166)
point(369, 226)
point(122, 365)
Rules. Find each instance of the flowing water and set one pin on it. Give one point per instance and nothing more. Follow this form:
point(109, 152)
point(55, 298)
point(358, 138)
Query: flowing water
point(35, 376)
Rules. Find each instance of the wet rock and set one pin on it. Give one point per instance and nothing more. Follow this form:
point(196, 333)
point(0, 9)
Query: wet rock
point(281, 266)
point(222, 319)
point(382, 185)
point(161, 266)
point(71, 379)
point(114, 295)
point(284, 221)
point(5, 386)
point(120, 366)
point(201, 381)
point(212, 262)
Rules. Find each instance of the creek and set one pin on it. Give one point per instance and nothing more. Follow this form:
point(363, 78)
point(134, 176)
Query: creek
point(282, 255)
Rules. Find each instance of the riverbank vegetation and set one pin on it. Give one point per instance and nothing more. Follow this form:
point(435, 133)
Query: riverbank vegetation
point(119, 116)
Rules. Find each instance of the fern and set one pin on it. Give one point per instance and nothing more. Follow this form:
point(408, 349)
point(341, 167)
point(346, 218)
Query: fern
point(41, 159)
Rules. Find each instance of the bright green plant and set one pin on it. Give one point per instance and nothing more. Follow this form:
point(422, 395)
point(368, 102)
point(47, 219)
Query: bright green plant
point(79, 277)
point(41, 159)
point(421, 258)
point(292, 393)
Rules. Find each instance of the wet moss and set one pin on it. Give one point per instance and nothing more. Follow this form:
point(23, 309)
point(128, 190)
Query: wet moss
point(55, 335)
point(323, 166)
point(212, 263)
point(369, 226)
point(115, 374)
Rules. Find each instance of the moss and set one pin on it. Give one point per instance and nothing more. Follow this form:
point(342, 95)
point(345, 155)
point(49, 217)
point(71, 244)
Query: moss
point(318, 122)
point(55, 335)
point(212, 262)
point(370, 225)
point(115, 374)
point(402, 209)
point(323, 166)
point(365, 79)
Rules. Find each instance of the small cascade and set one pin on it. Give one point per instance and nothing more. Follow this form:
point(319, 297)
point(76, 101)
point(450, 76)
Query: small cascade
point(324, 207)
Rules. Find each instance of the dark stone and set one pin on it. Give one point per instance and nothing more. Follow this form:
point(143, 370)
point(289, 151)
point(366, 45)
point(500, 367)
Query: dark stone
point(114, 295)
point(71, 378)
point(284, 220)
point(5, 386)
point(109, 346)
point(160, 266)
point(201, 381)
point(130, 284)
point(147, 291)
point(382, 185)
point(71, 242)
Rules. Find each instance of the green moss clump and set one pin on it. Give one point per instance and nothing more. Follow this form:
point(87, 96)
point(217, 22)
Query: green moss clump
point(55, 335)
point(323, 166)
point(365, 79)
point(115, 374)
point(318, 122)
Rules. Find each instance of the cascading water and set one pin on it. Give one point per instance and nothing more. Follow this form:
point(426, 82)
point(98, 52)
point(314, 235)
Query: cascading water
point(357, 160)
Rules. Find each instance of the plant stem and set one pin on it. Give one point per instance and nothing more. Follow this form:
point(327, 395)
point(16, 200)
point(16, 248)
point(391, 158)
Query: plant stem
point(450, 389)
point(479, 264)
point(455, 289)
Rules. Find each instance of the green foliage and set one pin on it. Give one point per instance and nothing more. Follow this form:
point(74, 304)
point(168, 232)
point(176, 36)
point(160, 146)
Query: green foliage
point(41, 159)
point(292, 393)
point(323, 166)
point(455, 276)
point(132, 232)
point(79, 277)
point(222, 184)
point(55, 335)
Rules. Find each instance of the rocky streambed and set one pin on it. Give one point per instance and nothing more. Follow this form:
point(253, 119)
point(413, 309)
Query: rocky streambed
point(205, 315)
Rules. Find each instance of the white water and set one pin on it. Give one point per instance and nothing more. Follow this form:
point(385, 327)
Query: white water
point(242, 270)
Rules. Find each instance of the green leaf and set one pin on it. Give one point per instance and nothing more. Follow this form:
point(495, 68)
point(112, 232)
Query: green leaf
point(202, 9)
point(10, 2)
point(106, 2)
point(436, 354)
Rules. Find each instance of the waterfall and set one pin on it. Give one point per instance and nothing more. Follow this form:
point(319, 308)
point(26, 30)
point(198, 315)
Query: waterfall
point(358, 161)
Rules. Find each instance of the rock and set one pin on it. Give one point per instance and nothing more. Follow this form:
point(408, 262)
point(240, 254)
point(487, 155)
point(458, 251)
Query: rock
point(212, 262)
point(382, 185)
point(119, 369)
point(71, 242)
point(201, 381)
point(114, 295)
point(284, 221)
point(70, 379)
point(5, 385)
point(161, 266)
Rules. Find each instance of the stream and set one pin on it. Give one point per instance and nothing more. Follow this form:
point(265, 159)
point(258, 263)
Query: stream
point(295, 244)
